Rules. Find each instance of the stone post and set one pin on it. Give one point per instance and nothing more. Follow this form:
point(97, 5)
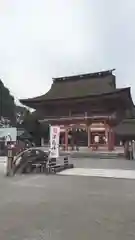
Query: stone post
point(10, 158)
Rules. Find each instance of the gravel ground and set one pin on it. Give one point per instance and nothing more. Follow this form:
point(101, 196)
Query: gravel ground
point(38, 207)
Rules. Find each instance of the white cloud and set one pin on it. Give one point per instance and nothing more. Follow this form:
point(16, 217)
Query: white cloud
point(41, 39)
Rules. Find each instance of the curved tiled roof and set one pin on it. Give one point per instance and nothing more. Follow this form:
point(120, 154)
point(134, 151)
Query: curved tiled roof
point(78, 86)
point(126, 128)
point(95, 86)
point(122, 94)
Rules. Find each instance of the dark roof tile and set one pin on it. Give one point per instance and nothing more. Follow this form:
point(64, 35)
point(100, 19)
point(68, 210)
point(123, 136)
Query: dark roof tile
point(79, 86)
point(126, 128)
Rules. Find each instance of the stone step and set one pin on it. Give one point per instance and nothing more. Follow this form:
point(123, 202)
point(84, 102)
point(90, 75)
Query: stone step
point(96, 155)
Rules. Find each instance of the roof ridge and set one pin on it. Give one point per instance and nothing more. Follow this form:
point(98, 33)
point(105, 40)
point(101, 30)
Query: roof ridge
point(84, 76)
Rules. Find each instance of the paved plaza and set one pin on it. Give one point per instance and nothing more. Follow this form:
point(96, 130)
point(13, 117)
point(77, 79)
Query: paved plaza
point(105, 173)
point(61, 207)
point(104, 163)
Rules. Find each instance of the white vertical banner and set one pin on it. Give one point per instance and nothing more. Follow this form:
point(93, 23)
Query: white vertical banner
point(54, 141)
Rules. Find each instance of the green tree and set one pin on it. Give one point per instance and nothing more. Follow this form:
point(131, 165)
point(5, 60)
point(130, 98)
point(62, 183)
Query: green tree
point(34, 127)
point(7, 105)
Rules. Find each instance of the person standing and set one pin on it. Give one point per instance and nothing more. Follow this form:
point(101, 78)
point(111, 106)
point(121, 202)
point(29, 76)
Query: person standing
point(96, 141)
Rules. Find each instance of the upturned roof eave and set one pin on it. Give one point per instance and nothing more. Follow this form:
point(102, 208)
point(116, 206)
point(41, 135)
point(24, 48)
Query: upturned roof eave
point(94, 95)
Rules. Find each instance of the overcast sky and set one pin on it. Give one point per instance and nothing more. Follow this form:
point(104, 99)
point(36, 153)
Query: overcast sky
point(41, 39)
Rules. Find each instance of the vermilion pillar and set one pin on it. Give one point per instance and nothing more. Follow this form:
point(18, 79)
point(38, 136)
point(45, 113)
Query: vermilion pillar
point(106, 133)
point(66, 138)
point(113, 139)
point(88, 132)
point(110, 139)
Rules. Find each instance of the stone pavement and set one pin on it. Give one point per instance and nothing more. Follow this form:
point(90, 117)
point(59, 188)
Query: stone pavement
point(106, 168)
point(104, 163)
point(102, 153)
point(86, 152)
point(110, 168)
point(63, 207)
point(105, 173)
point(66, 207)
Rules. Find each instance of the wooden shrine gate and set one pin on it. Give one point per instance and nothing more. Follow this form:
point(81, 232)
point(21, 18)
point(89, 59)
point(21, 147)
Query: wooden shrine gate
point(103, 130)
